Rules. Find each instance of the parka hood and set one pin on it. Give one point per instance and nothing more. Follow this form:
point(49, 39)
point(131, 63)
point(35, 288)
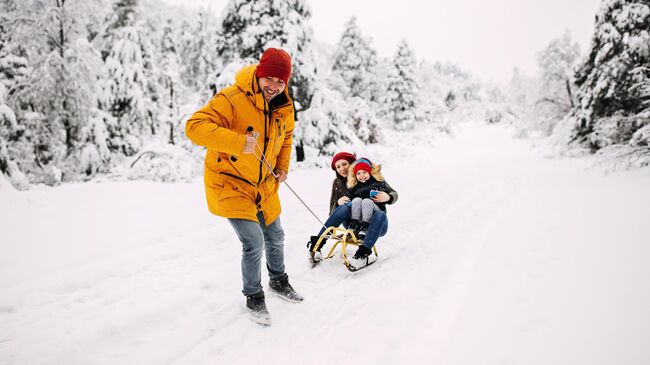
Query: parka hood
point(375, 172)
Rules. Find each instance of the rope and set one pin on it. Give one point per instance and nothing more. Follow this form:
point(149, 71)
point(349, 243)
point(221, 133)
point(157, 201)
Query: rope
point(263, 160)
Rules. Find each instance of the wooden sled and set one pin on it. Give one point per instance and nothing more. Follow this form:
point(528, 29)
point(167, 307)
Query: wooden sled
point(343, 237)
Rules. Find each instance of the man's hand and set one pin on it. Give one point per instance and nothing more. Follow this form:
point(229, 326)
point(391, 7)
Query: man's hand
point(251, 142)
point(381, 197)
point(281, 175)
point(342, 200)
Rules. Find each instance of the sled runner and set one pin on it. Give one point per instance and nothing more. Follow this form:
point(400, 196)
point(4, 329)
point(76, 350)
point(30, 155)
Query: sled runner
point(343, 237)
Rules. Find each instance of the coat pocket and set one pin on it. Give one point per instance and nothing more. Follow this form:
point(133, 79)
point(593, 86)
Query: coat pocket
point(271, 202)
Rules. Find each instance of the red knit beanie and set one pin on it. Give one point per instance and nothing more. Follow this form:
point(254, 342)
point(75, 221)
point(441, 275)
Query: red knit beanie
point(342, 156)
point(275, 63)
point(363, 164)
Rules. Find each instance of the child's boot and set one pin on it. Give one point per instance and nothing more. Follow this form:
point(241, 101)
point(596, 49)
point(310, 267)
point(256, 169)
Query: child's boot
point(362, 253)
point(354, 226)
point(363, 230)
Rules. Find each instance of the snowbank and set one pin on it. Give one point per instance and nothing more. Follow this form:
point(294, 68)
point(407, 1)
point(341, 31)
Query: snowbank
point(494, 255)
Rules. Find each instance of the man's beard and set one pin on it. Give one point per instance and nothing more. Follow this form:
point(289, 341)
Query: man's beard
point(268, 96)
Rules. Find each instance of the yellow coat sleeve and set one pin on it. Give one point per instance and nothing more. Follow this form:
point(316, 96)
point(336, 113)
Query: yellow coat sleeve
point(210, 127)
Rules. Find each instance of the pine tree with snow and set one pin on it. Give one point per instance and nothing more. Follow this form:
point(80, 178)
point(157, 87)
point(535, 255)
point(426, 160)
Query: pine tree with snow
point(198, 40)
point(7, 127)
point(130, 82)
point(363, 120)
point(402, 93)
point(13, 71)
point(125, 13)
point(251, 26)
point(608, 101)
point(355, 62)
point(354, 76)
point(436, 98)
point(327, 125)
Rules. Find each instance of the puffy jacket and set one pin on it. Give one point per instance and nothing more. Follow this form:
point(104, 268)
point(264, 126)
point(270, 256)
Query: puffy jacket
point(339, 190)
point(238, 185)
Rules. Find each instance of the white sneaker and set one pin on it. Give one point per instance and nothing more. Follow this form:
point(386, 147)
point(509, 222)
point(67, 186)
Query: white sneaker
point(357, 264)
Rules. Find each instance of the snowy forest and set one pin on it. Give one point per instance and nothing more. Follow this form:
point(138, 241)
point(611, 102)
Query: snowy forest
point(97, 89)
point(520, 235)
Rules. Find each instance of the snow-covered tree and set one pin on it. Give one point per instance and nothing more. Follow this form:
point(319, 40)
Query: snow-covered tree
point(434, 90)
point(641, 76)
point(363, 120)
point(556, 63)
point(606, 78)
point(543, 102)
point(85, 83)
point(125, 13)
point(251, 26)
point(402, 93)
point(7, 126)
point(354, 78)
point(198, 50)
point(13, 71)
point(130, 85)
point(60, 88)
point(355, 62)
point(171, 80)
point(326, 126)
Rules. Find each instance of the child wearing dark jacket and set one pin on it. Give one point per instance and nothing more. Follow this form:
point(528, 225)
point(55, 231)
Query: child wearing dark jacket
point(365, 184)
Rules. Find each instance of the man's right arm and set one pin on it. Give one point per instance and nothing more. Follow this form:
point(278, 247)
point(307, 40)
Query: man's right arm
point(210, 127)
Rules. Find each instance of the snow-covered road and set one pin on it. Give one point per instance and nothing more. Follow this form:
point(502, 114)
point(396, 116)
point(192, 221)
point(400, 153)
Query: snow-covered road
point(495, 255)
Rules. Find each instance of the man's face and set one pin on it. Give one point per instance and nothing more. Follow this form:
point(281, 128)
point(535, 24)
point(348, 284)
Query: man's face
point(271, 87)
point(363, 176)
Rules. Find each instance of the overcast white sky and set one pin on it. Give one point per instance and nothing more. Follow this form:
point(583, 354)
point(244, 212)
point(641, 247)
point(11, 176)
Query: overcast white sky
point(485, 37)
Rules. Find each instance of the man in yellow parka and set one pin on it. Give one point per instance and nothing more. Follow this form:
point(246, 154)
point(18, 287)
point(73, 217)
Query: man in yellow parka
point(247, 128)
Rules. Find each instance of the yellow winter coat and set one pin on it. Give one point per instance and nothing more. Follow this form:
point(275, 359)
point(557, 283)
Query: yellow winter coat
point(238, 185)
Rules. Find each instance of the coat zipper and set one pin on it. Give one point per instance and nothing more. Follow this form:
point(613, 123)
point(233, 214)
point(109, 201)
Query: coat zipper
point(264, 150)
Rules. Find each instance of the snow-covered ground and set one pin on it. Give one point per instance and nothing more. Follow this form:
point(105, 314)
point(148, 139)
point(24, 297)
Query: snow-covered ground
point(495, 255)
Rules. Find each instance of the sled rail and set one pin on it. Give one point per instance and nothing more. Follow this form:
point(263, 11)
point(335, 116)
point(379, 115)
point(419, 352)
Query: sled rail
point(342, 237)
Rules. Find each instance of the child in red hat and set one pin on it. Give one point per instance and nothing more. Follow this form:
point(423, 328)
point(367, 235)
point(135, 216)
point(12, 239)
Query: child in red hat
point(369, 193)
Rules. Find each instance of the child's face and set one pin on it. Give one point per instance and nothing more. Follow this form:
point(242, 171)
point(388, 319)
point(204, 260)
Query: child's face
point(363, 175)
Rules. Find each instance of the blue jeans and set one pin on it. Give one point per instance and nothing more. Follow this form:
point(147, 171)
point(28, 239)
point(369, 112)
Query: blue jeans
point(255, 238)
point(378, 228)
point(378, 223)
point(340, 215)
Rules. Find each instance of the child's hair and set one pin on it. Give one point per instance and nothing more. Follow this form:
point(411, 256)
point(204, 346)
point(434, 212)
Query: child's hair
point(363, 164)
